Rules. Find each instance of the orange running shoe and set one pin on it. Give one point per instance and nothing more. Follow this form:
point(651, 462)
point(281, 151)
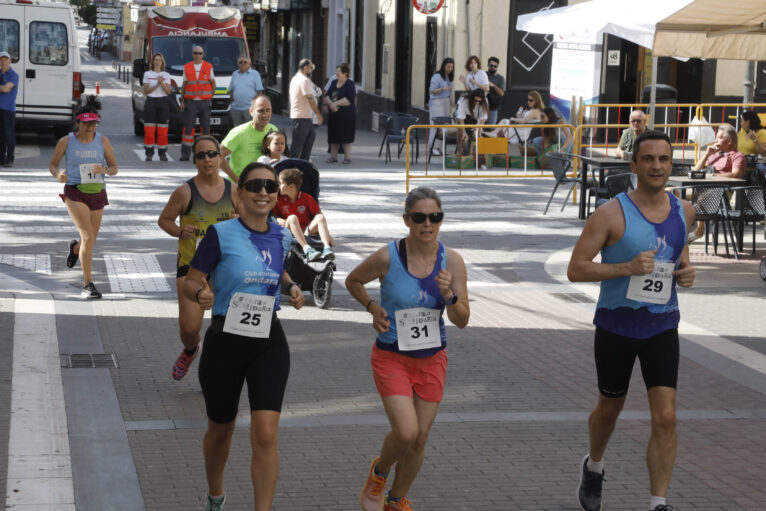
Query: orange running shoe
point(183, 363)
point(404, 504)
point(371, 498)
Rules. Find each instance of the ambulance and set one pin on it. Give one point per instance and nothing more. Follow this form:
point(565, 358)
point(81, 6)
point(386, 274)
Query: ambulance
point(174, 31)
point(41, 38)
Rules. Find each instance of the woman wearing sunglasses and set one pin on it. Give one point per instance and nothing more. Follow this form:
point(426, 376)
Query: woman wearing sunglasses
point(419, 278)
point(244, 258)
point(89, 157)
point(200, 202)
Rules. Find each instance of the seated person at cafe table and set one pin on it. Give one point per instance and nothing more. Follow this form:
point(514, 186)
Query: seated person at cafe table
point(722, 154)
point(752, 135)
point(637, 126)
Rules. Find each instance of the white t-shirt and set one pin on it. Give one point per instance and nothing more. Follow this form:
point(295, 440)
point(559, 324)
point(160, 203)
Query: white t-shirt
point(151, 78)
point(463, 111)
point(267, 159)
point(480, 76)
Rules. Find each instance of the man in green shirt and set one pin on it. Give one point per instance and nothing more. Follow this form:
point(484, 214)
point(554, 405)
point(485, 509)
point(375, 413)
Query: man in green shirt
point(244, 142)
point(637, 126)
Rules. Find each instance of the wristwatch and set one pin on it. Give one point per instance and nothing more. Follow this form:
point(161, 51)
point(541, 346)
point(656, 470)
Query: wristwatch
point(451, 301)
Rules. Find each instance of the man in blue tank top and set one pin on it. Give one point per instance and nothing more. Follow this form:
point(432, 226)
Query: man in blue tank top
point(642, 239)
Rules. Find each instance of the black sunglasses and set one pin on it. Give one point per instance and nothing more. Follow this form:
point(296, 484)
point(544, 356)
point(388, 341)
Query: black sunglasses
point(197, 53)
point(255, 185)
point(419, 218)
point(210, 154)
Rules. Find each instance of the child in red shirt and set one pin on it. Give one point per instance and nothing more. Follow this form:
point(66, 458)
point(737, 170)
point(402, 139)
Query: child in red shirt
point(300, 213)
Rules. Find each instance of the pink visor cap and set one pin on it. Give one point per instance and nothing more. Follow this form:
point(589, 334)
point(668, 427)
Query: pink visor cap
point(87, 117)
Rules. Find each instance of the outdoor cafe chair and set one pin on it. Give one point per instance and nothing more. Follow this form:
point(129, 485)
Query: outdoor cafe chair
point(395, 130)
point(561, 165)
point(750, 209)
point(709, 206)
point(616, 184)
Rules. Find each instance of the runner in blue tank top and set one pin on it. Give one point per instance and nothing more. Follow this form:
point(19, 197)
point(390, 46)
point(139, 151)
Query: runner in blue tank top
point(245, 259)
point(642, 239)
point(419, 278)
point(89, 156)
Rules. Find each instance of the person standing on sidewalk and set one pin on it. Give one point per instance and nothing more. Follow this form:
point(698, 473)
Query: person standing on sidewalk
point(642, 239)
point(245, 342)
point(245, 142)
point(496, 89)
point(196, 102)
point(440, 98)
point(157, 109)
point(245, 85)
point(85, 187)
point(419, 278)
point(200, 202)
point(9, 87)
point(302, 104)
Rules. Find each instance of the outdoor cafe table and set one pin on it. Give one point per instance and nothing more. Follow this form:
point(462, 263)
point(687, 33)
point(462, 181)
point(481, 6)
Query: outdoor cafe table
point(601, 163)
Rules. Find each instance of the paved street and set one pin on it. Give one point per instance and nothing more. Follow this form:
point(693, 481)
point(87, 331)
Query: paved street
point(521, 380)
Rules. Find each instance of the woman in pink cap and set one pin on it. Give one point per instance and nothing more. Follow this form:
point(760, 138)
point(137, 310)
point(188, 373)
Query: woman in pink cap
point(89, 156)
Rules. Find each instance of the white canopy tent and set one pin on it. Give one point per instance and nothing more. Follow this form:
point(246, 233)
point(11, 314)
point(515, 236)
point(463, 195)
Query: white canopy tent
point(674, 28)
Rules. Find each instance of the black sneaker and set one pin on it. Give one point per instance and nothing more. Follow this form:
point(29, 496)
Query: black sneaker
point(663, 507)
point(90, 292)
point(163, 156)
point(72, 258)
point(589, 488)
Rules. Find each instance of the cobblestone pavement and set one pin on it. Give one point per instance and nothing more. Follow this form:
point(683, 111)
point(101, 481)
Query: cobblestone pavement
point(521, 380)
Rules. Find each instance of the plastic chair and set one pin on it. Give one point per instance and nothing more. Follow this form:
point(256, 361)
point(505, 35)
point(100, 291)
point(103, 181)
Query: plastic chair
point(751, 209)
point(561, 166)
point(616, 184)
point(396, 125)
point(708, 203)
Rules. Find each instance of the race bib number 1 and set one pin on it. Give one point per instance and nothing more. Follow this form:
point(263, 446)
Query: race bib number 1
point(87, 174)
point(654, 287)
point(417, 329)
point(249, 315)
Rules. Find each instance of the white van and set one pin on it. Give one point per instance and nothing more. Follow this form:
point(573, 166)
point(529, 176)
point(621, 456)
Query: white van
point(41, 38)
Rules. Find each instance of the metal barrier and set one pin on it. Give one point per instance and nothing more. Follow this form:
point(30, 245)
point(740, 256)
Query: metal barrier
point(725, 113)
point(484, 145)
point(585, 131)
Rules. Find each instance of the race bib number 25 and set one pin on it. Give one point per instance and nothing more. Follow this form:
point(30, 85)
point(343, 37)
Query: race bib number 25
point(249, 315)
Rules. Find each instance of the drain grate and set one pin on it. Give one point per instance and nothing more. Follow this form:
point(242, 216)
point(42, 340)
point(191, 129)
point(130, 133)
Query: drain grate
point(574, 297)
point(89, 361)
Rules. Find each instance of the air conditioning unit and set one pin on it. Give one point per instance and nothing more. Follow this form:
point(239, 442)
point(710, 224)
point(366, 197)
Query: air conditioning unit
point(386, 57)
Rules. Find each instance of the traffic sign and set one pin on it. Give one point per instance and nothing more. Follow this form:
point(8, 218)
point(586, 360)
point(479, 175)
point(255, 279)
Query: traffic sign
point(106, 27)
point(118, 30)
point(108, 19)
point(111, 10)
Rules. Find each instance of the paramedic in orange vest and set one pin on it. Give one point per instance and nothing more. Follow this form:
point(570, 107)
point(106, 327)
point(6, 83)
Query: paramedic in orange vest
point(198, 87)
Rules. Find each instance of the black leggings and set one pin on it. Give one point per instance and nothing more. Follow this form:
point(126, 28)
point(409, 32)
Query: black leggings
point(228, 360)
point(616, 354)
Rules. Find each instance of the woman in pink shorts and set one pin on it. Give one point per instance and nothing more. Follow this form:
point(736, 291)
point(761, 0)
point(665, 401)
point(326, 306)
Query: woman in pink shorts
point(419, 278)
point(89, 156)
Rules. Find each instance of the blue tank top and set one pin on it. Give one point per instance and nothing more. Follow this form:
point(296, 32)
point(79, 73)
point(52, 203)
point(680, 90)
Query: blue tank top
point(400, 290)
point(250, 262)
point(78, 153)
point(631, 318)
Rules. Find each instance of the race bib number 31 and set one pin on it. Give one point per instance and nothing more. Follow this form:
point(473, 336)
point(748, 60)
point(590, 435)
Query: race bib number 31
point(249, 315)
point(654, 287)
point(417, 329)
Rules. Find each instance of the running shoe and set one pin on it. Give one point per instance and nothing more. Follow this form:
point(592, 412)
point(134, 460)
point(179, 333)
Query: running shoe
point(404, 504)
point(72, 258)
point(589, 488)
point(215, 503)
point(328, 254)
point(371, 498)
point(183, 363)
point(312, 254)
point(90, 292)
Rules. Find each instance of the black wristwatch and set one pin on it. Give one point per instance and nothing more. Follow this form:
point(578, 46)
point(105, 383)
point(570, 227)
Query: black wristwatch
point(451, 301)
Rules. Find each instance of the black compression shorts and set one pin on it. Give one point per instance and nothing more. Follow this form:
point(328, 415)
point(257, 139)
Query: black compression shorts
point(616, 354)
point(228, 360)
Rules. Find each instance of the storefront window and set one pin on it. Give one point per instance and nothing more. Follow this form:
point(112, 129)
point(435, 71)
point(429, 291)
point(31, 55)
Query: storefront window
point(276, 51)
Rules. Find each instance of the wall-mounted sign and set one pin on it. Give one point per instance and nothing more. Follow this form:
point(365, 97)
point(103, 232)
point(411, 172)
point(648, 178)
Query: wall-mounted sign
point(428, 6)
point(613, 58)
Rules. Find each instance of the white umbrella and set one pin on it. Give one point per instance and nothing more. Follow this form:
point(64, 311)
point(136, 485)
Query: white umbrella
point(679, 28)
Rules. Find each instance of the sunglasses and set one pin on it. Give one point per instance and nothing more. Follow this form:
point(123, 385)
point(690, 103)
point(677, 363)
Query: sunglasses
point(419, 218)
point(197, 53)
point(243, 62)
point(255, 185)
point(210, 154)
point(529, 100)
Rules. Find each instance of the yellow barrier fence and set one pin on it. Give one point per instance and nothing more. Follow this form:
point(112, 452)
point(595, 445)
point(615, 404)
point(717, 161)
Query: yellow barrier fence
point(727, 113)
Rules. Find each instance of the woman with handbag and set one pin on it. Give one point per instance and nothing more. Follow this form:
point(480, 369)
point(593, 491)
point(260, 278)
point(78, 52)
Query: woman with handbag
point(156, 109)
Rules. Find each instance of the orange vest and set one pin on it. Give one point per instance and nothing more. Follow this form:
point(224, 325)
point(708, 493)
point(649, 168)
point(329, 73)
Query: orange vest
point(198, 88)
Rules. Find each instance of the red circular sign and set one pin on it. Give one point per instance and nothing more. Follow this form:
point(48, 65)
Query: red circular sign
point(427, 6)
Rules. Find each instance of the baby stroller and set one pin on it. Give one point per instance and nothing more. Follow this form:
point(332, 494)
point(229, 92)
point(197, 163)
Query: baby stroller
point(312, 276)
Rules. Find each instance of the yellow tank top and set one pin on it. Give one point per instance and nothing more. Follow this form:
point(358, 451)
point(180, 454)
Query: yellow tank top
point(202, 214)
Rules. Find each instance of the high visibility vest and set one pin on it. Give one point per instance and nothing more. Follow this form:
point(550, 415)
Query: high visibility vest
point(198, 88)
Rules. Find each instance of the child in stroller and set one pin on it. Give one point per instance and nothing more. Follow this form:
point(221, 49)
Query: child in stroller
point(298, 210)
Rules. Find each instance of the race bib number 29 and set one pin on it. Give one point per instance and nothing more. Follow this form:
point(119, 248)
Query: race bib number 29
point(654, 287)
point(249, 315)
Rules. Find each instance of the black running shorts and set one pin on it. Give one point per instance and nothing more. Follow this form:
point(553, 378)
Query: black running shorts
point(615, 356)
point(228, 360)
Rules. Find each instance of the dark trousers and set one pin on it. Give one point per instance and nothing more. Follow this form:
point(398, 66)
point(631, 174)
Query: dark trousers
point(303, 138)
point(7, 135)
point(193, 110)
